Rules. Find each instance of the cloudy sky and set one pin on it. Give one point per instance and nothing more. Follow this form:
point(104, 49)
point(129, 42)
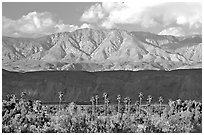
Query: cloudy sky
point(38, 19)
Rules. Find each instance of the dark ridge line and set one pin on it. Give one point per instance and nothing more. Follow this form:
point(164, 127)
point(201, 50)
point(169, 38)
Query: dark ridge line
point(109, 71)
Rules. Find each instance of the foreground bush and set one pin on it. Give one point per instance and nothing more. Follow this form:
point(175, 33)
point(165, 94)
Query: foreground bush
point(22, 116)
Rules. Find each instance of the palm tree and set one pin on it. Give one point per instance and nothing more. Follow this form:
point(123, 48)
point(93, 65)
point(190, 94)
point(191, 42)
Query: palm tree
point(107, 102)
point(170, 102)
point(105, 95)
point(13, 97)
point(141, 96)
point(37, 106)
point(178, 101)
point(178, 104)
point(161, 100)
point(125, 100)
point(60, 94)
point(137, 104)
point(149, 100)
point(92, 104)
point(23, 94)
point(8, 97)
point(118, 99)
point(128, 103)
point(96, 98)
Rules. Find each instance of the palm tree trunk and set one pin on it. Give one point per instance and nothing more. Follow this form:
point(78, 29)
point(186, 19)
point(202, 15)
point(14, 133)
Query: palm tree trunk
point(160, 106)
point(59, 105)
point(105, 106)
point(118, 107)
point(92, 111)
point(126, 108)
point(96, 106)
point(129, 106)
point(140, 105)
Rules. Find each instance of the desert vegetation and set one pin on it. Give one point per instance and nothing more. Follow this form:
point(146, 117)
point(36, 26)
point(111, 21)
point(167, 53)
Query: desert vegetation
point(26, 116)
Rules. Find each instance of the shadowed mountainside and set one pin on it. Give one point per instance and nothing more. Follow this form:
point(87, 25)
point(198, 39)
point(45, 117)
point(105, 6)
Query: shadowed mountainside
point(81, 85)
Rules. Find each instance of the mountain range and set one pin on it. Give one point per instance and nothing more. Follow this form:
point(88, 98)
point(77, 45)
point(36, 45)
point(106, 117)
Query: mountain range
point(102, 50)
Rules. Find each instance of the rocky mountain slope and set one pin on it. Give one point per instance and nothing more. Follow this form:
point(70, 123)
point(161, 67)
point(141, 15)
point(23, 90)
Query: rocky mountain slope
point(81, 85)
point(101, 50)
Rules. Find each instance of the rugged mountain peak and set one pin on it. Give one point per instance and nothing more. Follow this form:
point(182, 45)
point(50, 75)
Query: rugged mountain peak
point(95, 49)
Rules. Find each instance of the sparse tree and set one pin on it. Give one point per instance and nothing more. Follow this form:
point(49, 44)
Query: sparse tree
point(105, 95)
point(149, 100)
point(107, 102)
point(8, 97)
point(23, 94)
point(161, 100)
point(13, 98)
point(170, 102)
point(141, 96)
point(92, 104)
point(125, 100)
point(129, 104)
point(178, 104)
point(178, 101)
point(119, 100)
point(60, 94)
point(137, 104)
point(96, 99)
point(37, 106)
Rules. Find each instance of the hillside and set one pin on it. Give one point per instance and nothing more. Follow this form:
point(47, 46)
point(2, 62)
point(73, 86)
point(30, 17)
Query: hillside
point(101, 50)
point(81, 85)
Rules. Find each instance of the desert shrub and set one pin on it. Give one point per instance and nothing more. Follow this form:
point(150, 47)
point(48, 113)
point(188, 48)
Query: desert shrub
point(22, 116)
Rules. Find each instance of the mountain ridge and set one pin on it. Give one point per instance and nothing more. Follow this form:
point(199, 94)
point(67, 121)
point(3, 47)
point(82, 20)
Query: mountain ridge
point(116, 49)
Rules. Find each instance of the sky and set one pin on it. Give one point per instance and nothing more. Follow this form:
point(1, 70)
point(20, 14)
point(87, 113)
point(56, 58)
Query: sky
point(36, 19)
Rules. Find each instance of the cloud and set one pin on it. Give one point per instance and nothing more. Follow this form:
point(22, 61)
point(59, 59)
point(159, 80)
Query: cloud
point(176, 31)
point(70, 28)
point(146, 14)
point(35, 25)
point(94, 14)
point(85, 25)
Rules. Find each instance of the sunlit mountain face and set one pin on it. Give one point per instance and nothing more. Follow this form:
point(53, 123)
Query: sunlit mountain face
point(102, 50)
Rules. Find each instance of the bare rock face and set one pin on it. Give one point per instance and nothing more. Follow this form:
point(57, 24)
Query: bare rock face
point(80, 86)
point(102, 50)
